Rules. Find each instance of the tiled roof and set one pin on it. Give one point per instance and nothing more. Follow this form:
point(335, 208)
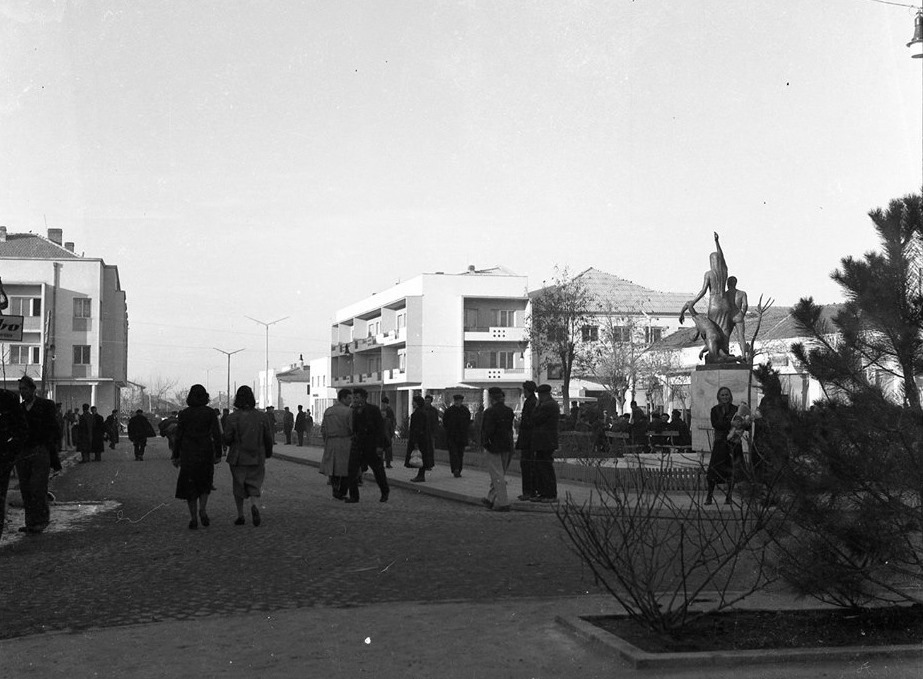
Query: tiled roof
point(624, 295)
point(32, 246)
point(778, 324)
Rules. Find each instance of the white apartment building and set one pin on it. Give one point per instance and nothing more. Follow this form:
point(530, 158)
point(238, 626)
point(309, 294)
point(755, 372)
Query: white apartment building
point(75, 326)
point(437, 334)
point(638, 315)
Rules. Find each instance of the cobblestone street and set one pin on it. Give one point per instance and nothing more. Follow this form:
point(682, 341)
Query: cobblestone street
point(141, 564)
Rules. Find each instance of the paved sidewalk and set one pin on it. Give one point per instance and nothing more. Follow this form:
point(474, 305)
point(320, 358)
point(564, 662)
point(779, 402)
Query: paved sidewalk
point(471, 487)
point(473, 484)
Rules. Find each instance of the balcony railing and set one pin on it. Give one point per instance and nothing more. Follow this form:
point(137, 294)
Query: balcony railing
point(491, 374)
point(502, 334)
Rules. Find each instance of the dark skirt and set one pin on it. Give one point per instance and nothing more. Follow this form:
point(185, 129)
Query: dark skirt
point(724, 457)
point(195, 479)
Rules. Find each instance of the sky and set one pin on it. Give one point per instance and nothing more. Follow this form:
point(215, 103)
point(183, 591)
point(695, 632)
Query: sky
point(287, 159)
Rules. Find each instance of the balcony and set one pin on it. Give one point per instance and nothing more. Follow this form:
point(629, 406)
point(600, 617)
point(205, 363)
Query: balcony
point(365, 343)
point(394, 375)
point(393, 337)
point(495, 335)
point(493, 374)
point(368, 378)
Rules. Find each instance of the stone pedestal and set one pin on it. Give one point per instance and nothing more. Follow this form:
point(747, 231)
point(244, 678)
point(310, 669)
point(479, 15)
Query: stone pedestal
point(706, 380)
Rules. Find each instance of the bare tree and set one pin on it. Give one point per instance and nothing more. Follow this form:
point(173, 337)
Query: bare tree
point(657, 551)
point(158, 389)
point(560, 312)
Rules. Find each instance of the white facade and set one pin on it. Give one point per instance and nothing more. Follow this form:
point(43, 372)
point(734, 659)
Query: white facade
point(322, 394)
point(437, 334)
point(75, 340)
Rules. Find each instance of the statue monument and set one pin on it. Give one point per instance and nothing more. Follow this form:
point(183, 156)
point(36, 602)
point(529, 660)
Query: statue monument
point(727, 307)
point(724, 319)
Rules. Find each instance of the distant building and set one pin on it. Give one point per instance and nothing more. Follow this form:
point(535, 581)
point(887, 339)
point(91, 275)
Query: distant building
point(293, 387)
point(75, 340)
point(437, 334)
point(322, 394)
point(625, 313)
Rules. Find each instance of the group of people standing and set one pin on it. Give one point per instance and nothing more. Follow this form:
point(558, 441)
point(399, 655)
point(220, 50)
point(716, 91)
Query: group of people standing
point(30, 441)
point(359, 436)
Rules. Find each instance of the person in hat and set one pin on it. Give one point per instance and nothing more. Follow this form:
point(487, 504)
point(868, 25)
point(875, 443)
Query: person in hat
point(387, 414)
point(420, 437)
point(497, 439)
point(140, 430)
point(456, 420)
point(524, 442)
point(544, 443)
point(39, 449)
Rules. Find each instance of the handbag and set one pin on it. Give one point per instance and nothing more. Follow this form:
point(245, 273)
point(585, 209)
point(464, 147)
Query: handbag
point(416, 460)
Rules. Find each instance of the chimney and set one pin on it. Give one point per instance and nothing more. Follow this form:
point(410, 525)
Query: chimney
point(69, 246)
point(2, 234)
point(55, 235)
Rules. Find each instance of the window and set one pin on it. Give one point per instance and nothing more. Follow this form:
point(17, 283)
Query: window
point(402, 361)
point(82, 307)
point(401, 320)
point(502, 318)
point(471, 319)
point(621, 333)
point(555, 372)
point(23, 354)
point(25, 306)
point(590, 333)
point(81, 354)
point(471, 359)
point(652, 335)
point(501, 359)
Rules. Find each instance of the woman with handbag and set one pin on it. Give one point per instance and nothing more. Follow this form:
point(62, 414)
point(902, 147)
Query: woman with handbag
point(196, 450)
point(249, 442)
point(419, 441)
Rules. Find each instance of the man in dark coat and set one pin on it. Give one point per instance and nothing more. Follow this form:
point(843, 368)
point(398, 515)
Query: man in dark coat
point(288, 423)
point(387, 412)
point(112, 429)
point(13, 433)
point(432, 417)
point(98, 438)
point(456, 420)
point(300, 425)
point(34, 464)
point(368, 436)
point(497, 439)
point(524, 442)
point(544, 443)
point(139, 431)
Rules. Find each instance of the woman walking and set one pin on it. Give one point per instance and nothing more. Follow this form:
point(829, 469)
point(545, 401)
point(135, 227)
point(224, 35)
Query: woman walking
point(197, 449)
point(725, 455)
point(420, 437)
point(249, 444)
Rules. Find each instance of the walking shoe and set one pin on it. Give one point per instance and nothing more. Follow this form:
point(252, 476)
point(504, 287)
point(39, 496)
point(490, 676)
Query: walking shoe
point(417, 479)
point(193, 525)
point(384, 497)
point(203, 517)
point(240, 521)
point(457, 475)
point(487, 503)
point(256, 515)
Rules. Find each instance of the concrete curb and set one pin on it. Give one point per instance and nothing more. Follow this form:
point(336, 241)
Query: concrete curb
point(425, 489)
point(640, 659)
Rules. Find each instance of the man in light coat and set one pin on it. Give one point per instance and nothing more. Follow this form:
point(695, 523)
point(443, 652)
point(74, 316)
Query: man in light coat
point(337, 432)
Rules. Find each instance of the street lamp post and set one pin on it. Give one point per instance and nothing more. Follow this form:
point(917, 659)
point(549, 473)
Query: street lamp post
point(916, 44)
point(266, 379)
point(228, 354)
